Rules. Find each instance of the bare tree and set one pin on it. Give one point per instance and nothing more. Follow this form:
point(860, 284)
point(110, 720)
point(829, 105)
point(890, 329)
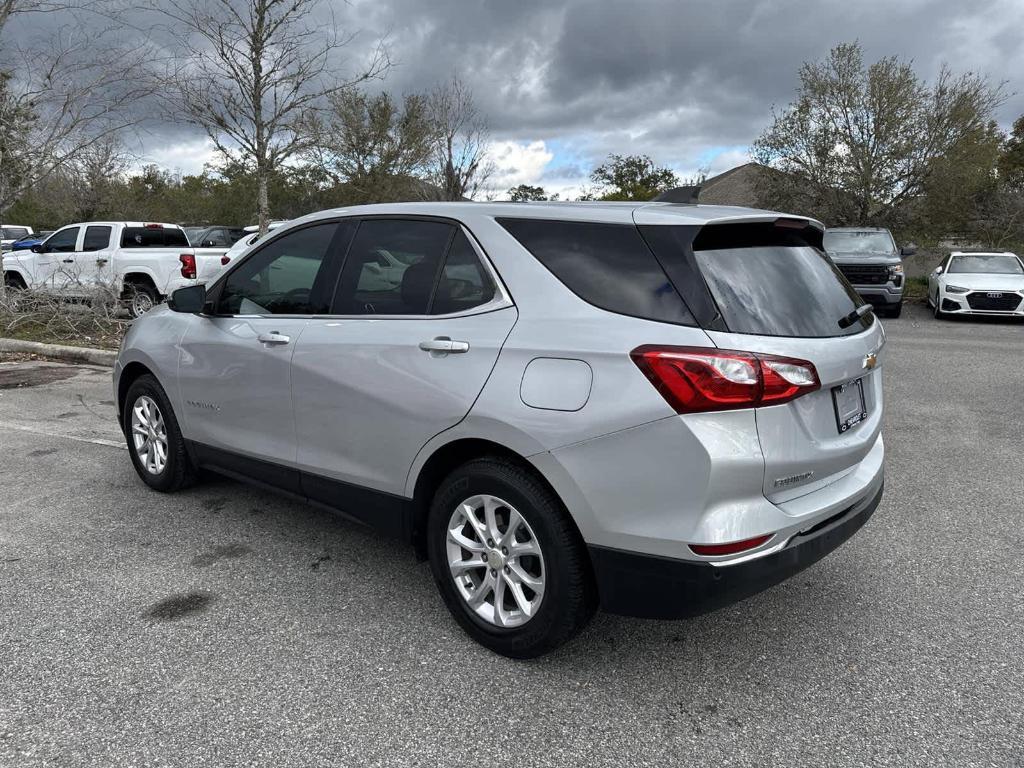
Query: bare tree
point(379, 149)
point(61, 96)
point(254, 75)
point(461, 163)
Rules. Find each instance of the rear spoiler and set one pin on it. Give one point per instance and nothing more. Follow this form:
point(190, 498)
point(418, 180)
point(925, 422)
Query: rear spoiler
point(685, 195)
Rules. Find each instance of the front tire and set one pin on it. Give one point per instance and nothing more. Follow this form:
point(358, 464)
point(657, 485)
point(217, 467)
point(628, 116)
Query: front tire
point(897, 311)
point(155, 443)
point(937, 312)
point(508, 561)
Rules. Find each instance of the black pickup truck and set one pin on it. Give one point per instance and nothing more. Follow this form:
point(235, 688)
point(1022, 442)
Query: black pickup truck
point(868, 257)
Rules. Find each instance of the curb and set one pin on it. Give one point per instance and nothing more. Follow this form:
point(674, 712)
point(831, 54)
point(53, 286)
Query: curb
point(61, 352)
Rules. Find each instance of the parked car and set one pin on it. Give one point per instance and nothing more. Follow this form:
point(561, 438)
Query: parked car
point(215, 237)
point(143, 261)
point(28, 241)
point(9, 233)
point(655, 408)
point(249, 237)
point(868, 258)
point(977, 284)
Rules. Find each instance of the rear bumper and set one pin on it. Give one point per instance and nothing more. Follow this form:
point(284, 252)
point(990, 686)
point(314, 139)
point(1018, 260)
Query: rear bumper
point(649, 586)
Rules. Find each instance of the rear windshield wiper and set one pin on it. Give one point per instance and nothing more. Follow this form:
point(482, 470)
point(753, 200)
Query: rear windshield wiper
point(853, 317)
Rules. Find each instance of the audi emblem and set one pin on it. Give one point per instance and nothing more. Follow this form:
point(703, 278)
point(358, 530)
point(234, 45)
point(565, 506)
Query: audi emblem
point(994, 295)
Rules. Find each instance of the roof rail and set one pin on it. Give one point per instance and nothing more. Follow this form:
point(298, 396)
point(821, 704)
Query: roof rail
point(687, 195)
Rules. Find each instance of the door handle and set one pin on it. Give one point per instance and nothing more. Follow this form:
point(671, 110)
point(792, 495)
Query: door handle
point(68, 261)
point(101, 262)
point(273, 338)
point(444, 344)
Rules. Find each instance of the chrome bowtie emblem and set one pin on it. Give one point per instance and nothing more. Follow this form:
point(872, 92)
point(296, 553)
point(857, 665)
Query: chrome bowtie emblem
point(870, 361)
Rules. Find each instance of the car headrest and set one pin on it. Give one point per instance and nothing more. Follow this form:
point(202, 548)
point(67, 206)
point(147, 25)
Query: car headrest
point(417, 282)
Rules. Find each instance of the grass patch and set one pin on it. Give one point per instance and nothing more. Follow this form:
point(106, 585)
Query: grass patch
point(916, 288)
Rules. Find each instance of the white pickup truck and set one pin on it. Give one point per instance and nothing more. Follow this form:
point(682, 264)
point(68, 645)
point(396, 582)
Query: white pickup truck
point(142, 262)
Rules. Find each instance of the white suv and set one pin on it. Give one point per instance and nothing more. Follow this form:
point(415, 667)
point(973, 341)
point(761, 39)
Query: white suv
point(655, 408)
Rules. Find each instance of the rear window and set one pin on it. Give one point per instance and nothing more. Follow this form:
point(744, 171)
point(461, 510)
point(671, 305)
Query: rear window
point(13, 233)
point(153, 237)
point(607, 265)
point(773, 281)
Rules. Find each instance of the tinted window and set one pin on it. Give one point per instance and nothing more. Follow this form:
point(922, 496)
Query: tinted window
point(464, 282)
point(986, 263)
point(13, 233)
point(771, 282)
point(153, 237)
point(607, 265)
point(392, 267)
point(96, 238)
point(281, 278)
point(63, 241)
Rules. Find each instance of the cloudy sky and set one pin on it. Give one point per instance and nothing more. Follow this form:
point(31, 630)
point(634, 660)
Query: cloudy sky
point(565, 82)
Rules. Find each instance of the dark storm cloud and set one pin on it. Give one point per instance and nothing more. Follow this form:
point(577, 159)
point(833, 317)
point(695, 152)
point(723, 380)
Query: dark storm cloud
point(677, 80)
point(671, 78)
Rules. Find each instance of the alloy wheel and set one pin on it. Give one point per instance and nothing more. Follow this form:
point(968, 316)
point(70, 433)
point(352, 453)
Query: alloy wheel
point(149, 434)
point(495, 561)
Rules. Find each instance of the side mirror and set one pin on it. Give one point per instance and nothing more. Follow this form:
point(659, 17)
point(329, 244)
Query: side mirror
point(37, 248)
point(908, 250)
point(937, 270)
point(190, 300)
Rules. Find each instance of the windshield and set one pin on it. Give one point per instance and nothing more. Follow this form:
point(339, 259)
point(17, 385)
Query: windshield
point(986, 263)
point(859, 242)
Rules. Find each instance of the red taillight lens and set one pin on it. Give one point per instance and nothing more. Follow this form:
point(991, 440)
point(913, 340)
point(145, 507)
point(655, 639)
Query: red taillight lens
point(188, 265)
point(224, 260)
point(711, 550)
point(695, 379)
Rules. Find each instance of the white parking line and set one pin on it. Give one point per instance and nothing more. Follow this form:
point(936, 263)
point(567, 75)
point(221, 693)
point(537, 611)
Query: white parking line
point(36, 431)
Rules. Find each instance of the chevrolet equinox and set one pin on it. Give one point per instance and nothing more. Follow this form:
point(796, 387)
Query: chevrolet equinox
point(653, 408)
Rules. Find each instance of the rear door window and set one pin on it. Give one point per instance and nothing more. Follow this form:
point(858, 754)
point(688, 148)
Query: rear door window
point(775, 281)
point(607, 265)
point(392, 267)
point(96, 238)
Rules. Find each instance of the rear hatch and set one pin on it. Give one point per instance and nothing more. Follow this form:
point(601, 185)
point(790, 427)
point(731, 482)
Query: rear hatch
point(771, 291)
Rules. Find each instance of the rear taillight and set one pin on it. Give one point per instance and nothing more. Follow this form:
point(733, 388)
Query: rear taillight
point(694, 379)
point(188, 265)
point(224, 260)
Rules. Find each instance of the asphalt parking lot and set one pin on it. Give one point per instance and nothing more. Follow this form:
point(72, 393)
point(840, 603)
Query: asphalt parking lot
point(225, 626)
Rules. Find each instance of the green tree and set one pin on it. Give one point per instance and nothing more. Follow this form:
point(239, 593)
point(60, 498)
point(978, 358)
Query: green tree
point(1011, 159)
point(377, 147)
point(632, 177)
point(524, 193)
point(861, 144)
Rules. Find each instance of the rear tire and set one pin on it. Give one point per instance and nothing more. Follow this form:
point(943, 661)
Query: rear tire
point(560, 571)
point(140, 298)
point(149, 423)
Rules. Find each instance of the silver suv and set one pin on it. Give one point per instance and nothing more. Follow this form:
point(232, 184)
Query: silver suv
point(653, 408)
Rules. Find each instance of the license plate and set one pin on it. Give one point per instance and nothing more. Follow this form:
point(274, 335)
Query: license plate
point(849, 401)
